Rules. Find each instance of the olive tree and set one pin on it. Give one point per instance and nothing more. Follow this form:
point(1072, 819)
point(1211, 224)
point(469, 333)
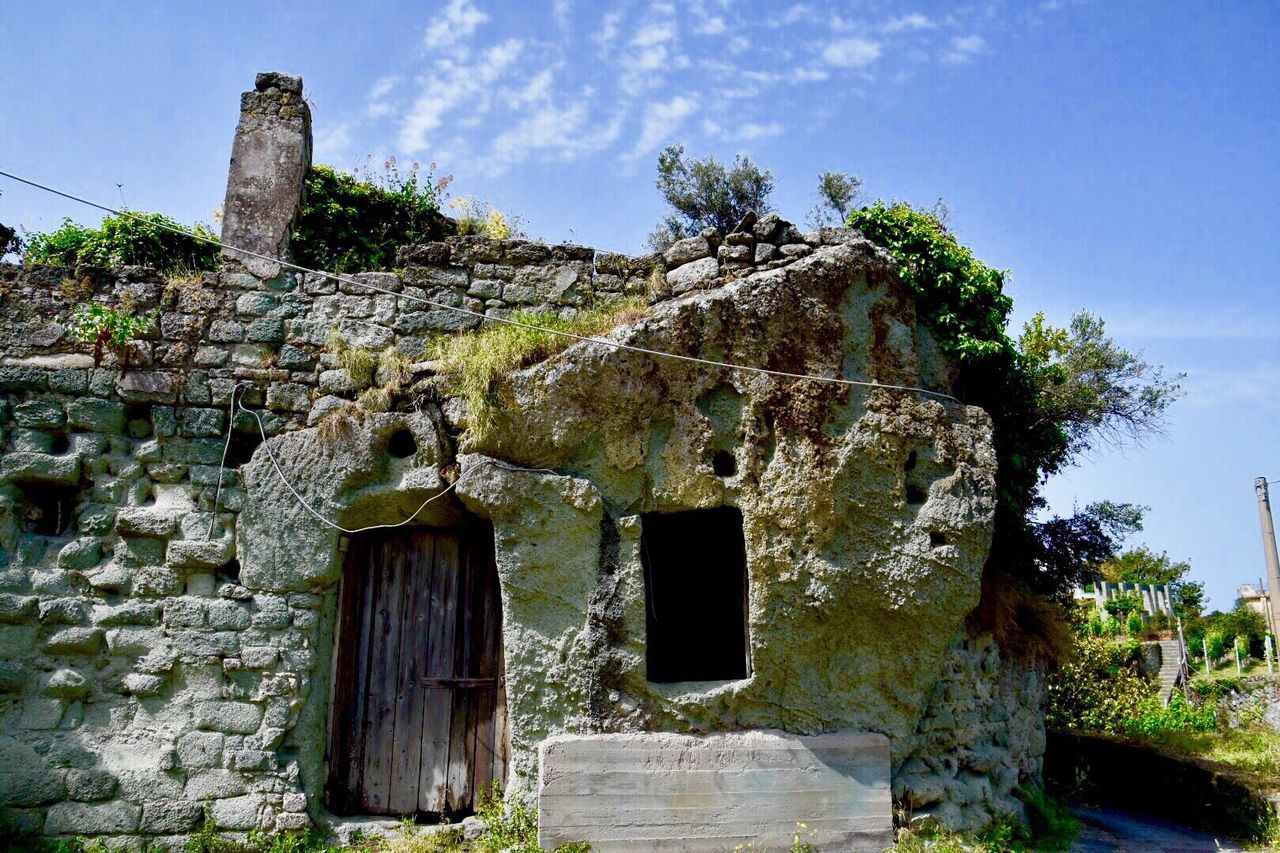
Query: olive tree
point(706, 194)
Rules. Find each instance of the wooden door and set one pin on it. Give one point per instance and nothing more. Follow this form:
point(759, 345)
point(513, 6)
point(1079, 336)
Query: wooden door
point(419, 717)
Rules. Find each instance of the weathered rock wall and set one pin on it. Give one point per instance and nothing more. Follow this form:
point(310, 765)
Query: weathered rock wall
point(158, 652)
point(982, 735)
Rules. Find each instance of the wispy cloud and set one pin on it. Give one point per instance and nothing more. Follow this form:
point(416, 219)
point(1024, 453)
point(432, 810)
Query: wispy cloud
point(452, 84)
point(456, 23)
point(662, 121)
point(855, 52)
point(1257, 385)
point(908, 22)
point(378, 105)
point(712, 26)
point(962, 49)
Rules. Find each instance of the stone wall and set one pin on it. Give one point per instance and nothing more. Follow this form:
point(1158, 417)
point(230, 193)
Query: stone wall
point(139, 679)
point(981, 737)
point(159, 654)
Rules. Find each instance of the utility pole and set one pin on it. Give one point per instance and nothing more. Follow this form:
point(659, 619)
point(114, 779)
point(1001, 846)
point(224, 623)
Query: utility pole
point(1269, 550)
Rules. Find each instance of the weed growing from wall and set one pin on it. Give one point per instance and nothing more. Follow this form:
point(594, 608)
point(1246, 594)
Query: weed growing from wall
point(473, 364)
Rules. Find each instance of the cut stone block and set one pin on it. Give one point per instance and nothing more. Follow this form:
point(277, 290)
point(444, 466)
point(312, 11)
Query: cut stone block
point(715, 792)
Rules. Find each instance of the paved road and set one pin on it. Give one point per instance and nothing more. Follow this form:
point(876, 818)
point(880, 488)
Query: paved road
point(1105, 830)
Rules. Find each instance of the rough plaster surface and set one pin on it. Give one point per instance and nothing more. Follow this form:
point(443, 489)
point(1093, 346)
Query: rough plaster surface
point(853, 598)
point(716, 792)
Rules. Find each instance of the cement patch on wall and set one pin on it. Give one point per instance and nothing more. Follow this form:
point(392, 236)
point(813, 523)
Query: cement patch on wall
point(683, 792)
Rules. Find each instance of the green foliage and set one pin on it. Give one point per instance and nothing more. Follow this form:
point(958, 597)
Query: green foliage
point(961, 298)
point(472, 216)
point(1216, 643)
point(1100, 689)
point(1052, 826)
point(1153, 718)
point(1049, 827)
point(360, 363)
point(1188, 599)
point(706, 194)
point(139, 239)
point(837, 191)
point(1124, 603)
point(1142, 565)
point(352, 224)
point(472, 365)
point(1133, 623)
point(109, 328)
point(1092, 388)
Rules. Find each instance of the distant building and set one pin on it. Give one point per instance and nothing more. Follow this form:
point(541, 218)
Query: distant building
point(1255, 598)
point(1156, 598)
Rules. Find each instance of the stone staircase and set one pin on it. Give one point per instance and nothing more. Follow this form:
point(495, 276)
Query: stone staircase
point(1170, 674)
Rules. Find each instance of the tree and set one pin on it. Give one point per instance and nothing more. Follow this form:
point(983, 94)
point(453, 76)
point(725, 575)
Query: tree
point(1188, 599)
point(706, 194)
point(1124, 603)
point(837, 191)
point(1093, 389)
point(1069, 550)
point(1142, 565)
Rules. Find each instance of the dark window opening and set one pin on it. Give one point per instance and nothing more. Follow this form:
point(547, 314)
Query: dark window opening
point(937, 540)
point(915, 494)
point(910, 464)
point(724, 464)
point(243, 443)
point(59, 444)
point(50, 511)
point(695, 569)
point(402, 445)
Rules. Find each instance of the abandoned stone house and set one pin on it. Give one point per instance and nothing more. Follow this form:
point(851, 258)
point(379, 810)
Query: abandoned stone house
point(683, 560)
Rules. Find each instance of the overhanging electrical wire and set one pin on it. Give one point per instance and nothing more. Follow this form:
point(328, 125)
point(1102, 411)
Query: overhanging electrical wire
point(484, 318)
point(266, 445)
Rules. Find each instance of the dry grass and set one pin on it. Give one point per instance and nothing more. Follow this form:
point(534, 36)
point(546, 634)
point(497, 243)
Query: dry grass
point(473, 364)
point(1027, 626)
point(339, 423)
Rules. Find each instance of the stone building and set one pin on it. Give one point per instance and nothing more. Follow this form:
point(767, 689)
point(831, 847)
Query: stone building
point(639, 544)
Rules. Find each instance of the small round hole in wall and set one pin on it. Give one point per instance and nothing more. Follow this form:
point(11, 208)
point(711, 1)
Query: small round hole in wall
point(60, 444)
point(402, 445)
point(937, 540)
point(724, 464)
point(915, 494)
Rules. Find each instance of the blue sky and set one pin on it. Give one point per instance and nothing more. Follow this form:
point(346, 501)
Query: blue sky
point(1119, 157)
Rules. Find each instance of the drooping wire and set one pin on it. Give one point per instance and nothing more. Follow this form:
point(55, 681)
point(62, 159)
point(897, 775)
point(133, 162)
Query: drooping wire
point(484, 318)
point(235, 406)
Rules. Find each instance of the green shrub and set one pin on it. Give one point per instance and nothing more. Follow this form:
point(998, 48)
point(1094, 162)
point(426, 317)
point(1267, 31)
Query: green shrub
point(1134, 624)
point(1100, 689)
point(1153, 718)
point(347, 224)
point(109, 328)
point(120, 240)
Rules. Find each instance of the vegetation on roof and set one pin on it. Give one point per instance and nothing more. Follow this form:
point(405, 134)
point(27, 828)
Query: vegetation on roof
point(355, 222)
point(473, 365)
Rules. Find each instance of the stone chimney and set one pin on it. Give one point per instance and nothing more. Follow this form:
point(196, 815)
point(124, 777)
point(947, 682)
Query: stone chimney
point(269, 161)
